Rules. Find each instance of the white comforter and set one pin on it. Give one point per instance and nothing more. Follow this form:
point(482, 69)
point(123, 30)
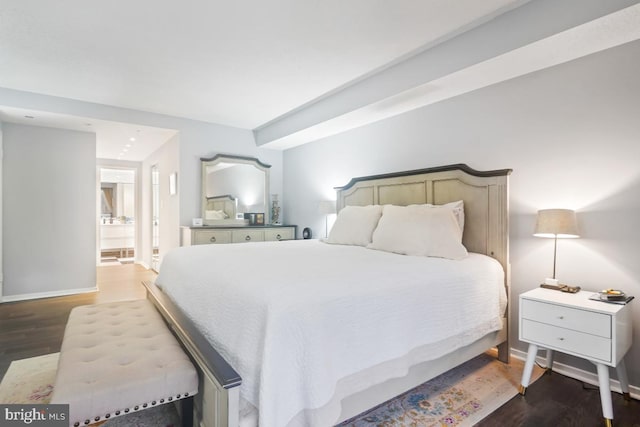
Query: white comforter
point(295, 317)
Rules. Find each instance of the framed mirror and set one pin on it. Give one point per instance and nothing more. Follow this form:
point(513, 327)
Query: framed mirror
point(233, 186)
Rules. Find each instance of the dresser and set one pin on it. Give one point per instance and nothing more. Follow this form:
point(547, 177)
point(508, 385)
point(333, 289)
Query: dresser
point(573, 324)
point(206, 235)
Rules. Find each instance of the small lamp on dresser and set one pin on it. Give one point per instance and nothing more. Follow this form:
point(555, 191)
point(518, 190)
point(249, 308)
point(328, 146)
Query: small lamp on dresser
point(327, 207)
point(556, 224)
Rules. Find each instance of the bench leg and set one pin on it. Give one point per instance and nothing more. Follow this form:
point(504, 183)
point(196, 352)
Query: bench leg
point(187, 411)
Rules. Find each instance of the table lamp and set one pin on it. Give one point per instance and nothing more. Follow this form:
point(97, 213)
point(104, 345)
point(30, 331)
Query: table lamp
point(556, 224)
point(327, 207)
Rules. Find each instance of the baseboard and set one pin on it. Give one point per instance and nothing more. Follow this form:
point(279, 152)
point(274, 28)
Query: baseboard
point(143, 264)
point(37, 295)
point(578, 374)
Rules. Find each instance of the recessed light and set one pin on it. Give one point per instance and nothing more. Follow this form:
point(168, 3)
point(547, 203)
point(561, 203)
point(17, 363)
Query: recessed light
point(128, 145)
point(132, 139)
point(125, 149)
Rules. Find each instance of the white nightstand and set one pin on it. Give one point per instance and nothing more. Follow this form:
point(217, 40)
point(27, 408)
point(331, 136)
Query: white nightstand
point(571, 323)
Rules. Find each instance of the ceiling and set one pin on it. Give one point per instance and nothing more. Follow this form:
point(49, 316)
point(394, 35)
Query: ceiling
point(114, 140)
point(240, 64)
point(268, 65)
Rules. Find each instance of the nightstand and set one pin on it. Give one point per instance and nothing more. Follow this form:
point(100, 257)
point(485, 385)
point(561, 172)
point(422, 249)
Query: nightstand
point(573, 324)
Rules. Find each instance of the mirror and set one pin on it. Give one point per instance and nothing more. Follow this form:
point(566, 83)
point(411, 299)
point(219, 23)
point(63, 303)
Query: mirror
point(233, 186)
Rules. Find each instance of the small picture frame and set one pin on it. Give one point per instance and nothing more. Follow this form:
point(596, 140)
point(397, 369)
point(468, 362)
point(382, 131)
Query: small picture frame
point(255, 218)
point(196, 222)
point(239, 215)
point(173, 184)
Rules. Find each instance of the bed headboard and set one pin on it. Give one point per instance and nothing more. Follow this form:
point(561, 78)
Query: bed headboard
point(485, 195)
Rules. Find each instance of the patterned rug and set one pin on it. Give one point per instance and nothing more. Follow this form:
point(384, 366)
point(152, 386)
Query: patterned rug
point(460, 397)
point(31, 381)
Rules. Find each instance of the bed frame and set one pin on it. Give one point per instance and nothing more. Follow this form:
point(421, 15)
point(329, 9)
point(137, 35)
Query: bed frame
point(485, 196)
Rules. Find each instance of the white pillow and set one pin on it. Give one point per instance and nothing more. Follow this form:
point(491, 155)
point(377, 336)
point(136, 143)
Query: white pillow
point(354, 225)
point(456, 207)
point(419, 230)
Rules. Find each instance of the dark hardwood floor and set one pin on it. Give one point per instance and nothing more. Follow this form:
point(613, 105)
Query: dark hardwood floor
point(33, 328)
point(559, 401)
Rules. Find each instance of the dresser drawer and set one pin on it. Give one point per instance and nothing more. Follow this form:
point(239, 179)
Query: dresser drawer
point(566, 340)
point(272, 234)
point(203, 237)
point(585, 321)
point(245, 235)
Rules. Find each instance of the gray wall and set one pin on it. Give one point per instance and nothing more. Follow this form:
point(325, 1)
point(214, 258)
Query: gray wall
point(1, 238)
point(49, 215)
point(570, 133)
point(195, 139)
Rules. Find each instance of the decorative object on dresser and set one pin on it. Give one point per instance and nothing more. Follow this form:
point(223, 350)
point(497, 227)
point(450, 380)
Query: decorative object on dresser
point(254, 218)
point(556, 224)
point(576, 325)
point(275, 210)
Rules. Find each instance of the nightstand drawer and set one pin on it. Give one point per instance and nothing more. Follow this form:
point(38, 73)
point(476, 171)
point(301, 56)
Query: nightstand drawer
point(585, 321)
point(566, 340)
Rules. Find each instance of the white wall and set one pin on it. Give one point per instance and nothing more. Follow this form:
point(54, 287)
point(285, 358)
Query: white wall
point(571, 135)
point(49, 211)
point(195, 140)
point(1, 238)
point(166, 158)
point(206, 140)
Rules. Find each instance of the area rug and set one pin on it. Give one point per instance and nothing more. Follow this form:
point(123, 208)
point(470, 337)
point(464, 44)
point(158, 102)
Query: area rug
point(30, 381)
point(460, 397)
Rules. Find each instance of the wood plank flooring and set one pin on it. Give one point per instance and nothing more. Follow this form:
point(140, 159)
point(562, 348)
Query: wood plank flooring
point(559, 401)
point(33, 328)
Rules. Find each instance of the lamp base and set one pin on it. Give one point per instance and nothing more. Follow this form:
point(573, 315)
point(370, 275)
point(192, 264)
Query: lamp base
point(549, 281)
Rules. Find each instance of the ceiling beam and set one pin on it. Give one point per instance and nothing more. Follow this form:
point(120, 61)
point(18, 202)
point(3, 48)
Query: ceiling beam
point(536, 35)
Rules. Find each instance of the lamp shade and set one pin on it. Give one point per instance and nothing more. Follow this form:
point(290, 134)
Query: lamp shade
point(327, 207)
point(558, 223)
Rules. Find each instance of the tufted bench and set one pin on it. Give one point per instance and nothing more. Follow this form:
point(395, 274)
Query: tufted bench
point(119, 358)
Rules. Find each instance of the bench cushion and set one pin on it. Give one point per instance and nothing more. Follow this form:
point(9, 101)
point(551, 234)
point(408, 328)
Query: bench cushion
point(117, 358)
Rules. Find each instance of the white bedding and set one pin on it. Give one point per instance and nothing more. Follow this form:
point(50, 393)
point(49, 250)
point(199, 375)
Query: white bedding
point(295, 317)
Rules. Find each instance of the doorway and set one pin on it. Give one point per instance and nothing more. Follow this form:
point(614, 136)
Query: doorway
point(117, 216)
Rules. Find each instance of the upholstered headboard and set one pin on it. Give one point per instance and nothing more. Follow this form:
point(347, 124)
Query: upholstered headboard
point(485, 195)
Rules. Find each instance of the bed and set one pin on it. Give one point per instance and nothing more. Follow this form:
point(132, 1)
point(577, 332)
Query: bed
point(323, 332)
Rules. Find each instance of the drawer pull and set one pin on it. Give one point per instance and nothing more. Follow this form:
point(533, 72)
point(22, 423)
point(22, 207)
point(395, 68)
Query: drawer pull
point(247, 238)
point(561, 339)
point(212, 239)
point(279, 237)
point(561, 317)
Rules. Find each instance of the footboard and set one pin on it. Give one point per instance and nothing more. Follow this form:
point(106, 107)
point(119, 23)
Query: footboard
point(217, 403)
